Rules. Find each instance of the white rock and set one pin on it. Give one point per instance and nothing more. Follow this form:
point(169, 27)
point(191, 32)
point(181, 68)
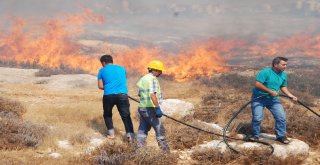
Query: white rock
point(216, 127)
point(96, 141)
point(216, 144)
point(294, 148)
point(61, 82)
point(55, 155)
point(64, 144)
point(177, 108)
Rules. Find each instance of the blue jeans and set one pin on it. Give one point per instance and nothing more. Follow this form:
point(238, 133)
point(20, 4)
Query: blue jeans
point(276, 108)
point(148, 119)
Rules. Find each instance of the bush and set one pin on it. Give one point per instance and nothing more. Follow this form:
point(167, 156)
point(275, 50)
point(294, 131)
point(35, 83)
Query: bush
point(214, 156)
point(186, 138)
point(230, 81)
point(305, 82)
point(117, 154)
point(11, 109)
point(303, 124)
point(14, 132)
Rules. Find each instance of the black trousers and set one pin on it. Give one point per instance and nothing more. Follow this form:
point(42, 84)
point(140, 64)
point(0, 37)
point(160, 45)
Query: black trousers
point(123, 106)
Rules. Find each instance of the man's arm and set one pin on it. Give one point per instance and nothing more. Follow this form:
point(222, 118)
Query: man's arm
point(100, 84)
point(288, 93)
point(154, 99)
point(260, 86)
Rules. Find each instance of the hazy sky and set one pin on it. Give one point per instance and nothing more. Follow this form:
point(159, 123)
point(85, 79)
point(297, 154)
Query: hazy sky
point(161, 20)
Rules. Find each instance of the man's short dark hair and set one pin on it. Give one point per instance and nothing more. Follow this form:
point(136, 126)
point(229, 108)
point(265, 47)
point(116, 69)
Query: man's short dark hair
point(106, 58)
point(278, 59)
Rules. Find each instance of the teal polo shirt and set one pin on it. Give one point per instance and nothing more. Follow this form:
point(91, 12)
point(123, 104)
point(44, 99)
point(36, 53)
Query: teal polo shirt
point(272, 80)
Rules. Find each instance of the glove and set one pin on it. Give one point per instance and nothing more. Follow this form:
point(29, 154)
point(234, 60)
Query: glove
point(158, 112)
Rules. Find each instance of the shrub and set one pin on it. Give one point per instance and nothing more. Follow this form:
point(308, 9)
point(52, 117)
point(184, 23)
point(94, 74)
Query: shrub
point(214, 156)
point(14, 132)
point(11, 109)
point(117, 154)
point(186, 138)
point(79, 138)
point(231, 81)
point(303, 124)
point(305, 82)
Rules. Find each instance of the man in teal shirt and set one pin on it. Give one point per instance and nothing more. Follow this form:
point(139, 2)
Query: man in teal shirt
point(269, 82)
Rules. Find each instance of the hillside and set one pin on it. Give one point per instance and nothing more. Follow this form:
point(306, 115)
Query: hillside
point(63, 114)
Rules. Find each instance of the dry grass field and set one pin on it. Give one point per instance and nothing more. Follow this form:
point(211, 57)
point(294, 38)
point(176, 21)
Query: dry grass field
point(58, 120)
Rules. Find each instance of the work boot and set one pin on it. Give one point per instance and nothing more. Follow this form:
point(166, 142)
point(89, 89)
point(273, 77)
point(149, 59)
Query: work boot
point(283, 140)
point(253, 139)
point(164, 145)
point(130, 137)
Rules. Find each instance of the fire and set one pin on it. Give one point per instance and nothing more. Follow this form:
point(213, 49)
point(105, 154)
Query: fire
point(302, 44)
point(137, 59)
point(199, 61)
point(53, 45)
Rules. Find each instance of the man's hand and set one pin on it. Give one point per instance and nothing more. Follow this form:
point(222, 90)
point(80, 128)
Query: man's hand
point(273, 93)
point(158, 112)
point(289, 94)
point(294, 98)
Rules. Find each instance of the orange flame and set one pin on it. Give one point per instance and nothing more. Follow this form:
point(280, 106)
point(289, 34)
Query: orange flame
point(302, 44)
point(53, 45)
point(53, 48)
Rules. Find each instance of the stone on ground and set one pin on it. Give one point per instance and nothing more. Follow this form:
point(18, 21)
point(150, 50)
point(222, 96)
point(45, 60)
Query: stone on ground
point(294, 148)
point(177, 108)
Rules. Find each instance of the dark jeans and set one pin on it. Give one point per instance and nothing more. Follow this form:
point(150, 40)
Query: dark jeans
point(123, 106)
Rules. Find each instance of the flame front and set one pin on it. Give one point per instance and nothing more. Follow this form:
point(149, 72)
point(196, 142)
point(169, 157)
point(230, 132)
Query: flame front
point(53, 45)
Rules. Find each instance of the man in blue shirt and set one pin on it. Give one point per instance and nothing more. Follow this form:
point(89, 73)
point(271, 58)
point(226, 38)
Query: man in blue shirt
point(112, 79)
point(269, 82)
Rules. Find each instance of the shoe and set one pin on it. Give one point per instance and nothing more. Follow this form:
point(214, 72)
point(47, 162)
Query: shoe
point(129, 139)
point(110, 136)
point(283, 140)
point(253, 139)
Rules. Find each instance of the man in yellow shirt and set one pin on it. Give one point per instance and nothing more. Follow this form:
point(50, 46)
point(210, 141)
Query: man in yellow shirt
point(149, 107)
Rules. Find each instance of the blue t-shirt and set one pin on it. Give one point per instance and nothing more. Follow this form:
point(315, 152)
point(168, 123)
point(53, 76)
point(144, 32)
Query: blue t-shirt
point(114, 79)
point(271, 79)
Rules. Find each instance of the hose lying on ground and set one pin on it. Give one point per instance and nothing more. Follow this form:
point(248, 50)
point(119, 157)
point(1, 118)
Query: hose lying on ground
point(194, 127)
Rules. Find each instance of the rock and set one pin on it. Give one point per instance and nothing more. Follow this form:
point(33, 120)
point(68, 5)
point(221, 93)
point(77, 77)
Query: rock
point(294, 148)
point(96, 141)
point(61, 82)
point(53, 82)
point(64, 144)
point(55, 155)
point(177, 108)
point(214, 126)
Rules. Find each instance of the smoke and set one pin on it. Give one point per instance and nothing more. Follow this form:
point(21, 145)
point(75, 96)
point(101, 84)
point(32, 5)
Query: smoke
point(155, 20)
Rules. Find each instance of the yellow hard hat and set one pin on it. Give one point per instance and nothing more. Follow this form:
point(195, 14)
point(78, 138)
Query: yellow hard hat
point(157, 65)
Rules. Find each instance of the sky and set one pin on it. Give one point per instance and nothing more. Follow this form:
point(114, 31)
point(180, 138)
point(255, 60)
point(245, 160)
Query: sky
point(161, 21)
